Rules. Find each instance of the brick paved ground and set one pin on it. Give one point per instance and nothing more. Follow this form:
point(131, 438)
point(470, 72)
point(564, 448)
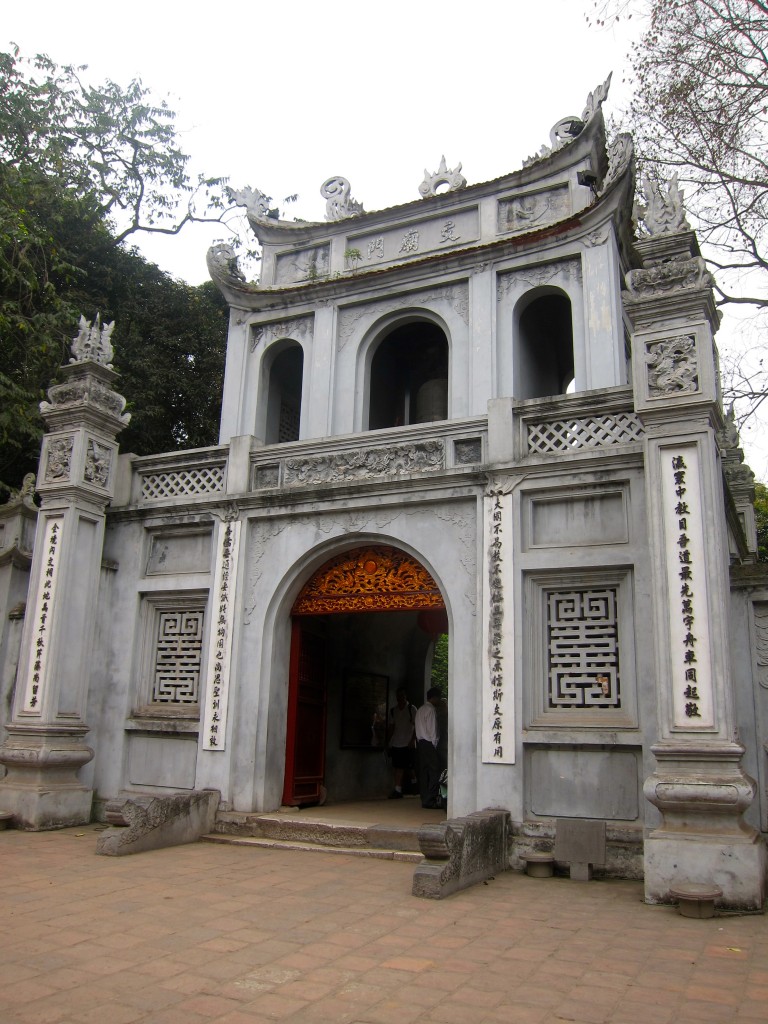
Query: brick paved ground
point(226, 935)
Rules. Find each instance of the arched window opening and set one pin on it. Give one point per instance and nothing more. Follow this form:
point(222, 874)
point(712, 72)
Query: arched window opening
point(284, 396)
point(409, 377)
point(545, 348)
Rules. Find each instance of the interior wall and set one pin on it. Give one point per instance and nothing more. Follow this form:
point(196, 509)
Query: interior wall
point(545, 347)
point(388, 644)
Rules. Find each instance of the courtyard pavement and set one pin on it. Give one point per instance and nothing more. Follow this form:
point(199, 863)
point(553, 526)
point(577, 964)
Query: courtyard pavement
point(230, 935)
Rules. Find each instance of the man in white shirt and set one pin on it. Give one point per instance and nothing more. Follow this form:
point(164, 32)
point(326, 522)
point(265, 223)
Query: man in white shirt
point(427, 738)
point(402, 741)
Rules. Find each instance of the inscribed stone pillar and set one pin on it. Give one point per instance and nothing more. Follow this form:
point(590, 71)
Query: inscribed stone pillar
point(699, 786)
point(17, 532)
point(45, 745)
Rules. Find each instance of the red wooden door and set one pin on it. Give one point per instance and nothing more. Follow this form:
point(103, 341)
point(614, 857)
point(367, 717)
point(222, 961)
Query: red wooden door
point(305, 740)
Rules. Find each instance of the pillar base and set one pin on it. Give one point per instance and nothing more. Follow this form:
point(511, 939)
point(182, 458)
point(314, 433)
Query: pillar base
point(702, 793)
point(736, 868)
point(41, 789)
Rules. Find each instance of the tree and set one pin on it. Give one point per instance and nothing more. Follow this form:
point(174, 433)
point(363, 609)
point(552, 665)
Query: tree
point(700, 110)
point(116, 145)
point(439, 675)
point(81, 170)
point(171, 359)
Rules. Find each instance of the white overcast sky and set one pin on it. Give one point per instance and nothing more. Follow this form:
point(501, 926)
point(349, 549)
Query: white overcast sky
point(282, 96)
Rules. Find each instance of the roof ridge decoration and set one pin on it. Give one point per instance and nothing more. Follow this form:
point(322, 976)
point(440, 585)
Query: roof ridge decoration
point(256, 203)
point(92, 342)
point(25, 495)
point(454, 179)
point(663, 212)
point(339, 203)
point(570, 127)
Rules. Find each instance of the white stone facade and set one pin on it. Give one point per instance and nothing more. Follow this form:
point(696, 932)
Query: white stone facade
point(464, 379)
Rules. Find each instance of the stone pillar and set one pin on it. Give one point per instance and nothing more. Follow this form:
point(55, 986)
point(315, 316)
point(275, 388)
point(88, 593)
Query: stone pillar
point(45, 745)
point(699, 785)
point(17, 535)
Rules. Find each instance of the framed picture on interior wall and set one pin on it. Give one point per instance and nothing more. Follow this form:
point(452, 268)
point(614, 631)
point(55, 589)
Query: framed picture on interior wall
point(364, 711)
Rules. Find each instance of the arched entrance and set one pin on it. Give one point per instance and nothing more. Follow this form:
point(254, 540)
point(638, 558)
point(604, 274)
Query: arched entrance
point(364, 624)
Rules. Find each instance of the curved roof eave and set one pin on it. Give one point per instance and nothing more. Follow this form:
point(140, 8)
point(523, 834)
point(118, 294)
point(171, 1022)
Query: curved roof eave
point(590, 141)
point(615, 204)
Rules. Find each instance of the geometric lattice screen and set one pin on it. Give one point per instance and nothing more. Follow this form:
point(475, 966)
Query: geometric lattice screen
point(583, 432)
point(186, 482)
point(176, 676)
point(582, 644)
point(289, 421)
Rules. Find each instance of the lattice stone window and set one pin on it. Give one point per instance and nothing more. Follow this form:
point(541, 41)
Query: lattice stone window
point(188, 482)
point(583, 649)
point(578, 432)
point(290, 417)
point(581, 663)
point(178, 652)
point(172, 655)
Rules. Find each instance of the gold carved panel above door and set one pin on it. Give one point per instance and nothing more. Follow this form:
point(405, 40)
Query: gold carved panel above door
point(369, 579)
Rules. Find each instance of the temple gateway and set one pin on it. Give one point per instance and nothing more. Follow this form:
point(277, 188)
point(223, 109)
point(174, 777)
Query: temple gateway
point(492, 413)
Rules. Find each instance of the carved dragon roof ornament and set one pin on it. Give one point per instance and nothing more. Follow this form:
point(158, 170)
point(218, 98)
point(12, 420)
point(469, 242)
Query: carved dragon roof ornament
point(454, 179)
point(256, 203)
point(25, 495)
point(621, 152)
point(569, 128)
point(338, 202)
point(222, 265)
point(663, 212)
point(92, 342)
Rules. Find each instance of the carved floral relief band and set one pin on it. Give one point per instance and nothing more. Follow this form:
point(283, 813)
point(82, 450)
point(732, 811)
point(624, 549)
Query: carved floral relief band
point(294, 328)
point(668, 277)
point(43, 617)
point(220, 636)
point(370, 579)
point(693, 706)
point(498, 723)
point(361, 463)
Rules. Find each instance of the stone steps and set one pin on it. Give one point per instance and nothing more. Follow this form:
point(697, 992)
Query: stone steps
point(409, 856)
point(287, 832)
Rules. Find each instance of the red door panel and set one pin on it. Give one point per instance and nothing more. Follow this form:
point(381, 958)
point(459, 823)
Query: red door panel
point(305, 740)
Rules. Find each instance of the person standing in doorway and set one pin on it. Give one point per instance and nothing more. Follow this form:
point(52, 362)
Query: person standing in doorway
point(402, 740)
point(427, 740)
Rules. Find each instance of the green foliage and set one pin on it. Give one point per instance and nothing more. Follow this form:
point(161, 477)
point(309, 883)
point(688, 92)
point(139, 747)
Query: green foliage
point(172, 344)
point(761, 519)
point(82, 169)
point(115, 145)
point(440, 665)
point(41, 279)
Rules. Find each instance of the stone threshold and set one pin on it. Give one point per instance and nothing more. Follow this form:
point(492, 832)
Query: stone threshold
point(262, 842)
